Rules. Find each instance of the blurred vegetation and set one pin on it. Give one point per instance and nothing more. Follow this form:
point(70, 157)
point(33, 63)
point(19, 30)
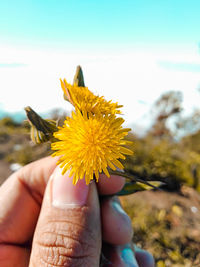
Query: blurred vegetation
point(168, 152)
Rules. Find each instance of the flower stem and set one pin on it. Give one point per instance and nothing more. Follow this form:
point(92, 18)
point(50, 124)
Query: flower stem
point(132, 178)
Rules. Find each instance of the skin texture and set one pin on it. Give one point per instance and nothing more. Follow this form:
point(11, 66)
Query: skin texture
point(36, 232)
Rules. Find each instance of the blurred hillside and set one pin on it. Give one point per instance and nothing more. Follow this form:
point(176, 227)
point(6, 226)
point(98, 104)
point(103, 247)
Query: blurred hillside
point(167, 222)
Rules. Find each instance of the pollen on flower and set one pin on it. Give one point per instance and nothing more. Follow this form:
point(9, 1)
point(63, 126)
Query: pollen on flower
point(83, 99)
point(90, 143)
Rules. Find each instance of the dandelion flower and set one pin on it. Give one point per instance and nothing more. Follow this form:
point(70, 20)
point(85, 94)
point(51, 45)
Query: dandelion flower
point(90, 143)
point(83, 99)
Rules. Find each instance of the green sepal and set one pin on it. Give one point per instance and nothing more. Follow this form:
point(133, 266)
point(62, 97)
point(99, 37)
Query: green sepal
point(78, 77)
point(41, 129)
point(78, 80)
point(133, 187)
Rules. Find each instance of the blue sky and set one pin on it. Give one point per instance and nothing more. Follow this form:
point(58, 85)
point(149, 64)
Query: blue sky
point(69, 23)
point(124, 46)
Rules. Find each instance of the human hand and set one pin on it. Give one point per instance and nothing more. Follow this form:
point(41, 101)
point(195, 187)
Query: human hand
point(50, 222)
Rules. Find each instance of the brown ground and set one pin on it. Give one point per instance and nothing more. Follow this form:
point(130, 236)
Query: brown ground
point(168, 225)
point(4, 170)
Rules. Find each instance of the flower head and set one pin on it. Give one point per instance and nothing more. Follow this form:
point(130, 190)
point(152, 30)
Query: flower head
point(83, 99)
point(90, 143)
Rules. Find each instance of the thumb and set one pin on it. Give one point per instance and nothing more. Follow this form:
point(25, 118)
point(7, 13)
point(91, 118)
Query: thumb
point(68, 232)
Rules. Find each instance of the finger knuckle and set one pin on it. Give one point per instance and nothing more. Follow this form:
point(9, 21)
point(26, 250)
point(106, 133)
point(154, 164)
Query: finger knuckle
point(58, 245)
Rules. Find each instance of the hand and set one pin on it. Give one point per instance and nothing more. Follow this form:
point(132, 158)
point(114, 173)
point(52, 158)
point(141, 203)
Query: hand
point(50, 222)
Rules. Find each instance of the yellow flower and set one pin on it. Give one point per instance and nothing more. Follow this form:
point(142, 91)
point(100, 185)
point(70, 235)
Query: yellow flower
point(83, 99)
point(89, 144)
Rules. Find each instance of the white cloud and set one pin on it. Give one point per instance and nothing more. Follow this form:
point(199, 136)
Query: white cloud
point(127, 78)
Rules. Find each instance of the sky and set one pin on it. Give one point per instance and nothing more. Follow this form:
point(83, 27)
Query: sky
point(130, 52)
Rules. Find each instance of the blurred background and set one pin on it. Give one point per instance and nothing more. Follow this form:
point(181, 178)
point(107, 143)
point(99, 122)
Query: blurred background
point(142, 54)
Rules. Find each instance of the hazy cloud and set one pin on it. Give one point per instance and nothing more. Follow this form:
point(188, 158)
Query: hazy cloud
point(12, 65)
point(180, 66)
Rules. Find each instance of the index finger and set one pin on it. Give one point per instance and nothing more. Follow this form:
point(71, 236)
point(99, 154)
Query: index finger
point(20, 198)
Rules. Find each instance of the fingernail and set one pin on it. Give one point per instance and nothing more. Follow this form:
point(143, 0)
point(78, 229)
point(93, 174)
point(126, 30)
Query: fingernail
point(127, 221)
point(128, 257)
point(65, 193)
point(116, 205)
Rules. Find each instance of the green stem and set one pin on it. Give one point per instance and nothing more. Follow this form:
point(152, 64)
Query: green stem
point(132, 178)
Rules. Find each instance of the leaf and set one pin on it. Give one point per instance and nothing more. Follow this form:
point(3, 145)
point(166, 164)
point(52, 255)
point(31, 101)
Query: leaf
point(133, 187)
